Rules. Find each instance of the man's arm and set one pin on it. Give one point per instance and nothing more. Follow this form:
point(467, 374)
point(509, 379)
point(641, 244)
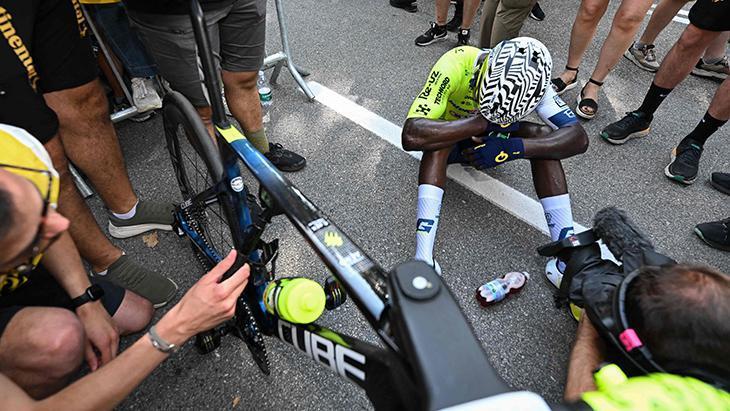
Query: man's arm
point(423, 134)
point(205, 305)
point(586, 356)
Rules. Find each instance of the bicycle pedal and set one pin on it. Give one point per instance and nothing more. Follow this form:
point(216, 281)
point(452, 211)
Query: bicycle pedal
point(207, 341)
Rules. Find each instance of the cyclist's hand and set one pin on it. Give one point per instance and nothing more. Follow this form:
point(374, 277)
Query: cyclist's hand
point(206, 304)
point(101, 334)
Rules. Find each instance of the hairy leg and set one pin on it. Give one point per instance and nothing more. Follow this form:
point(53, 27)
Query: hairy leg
point(470, 11)
point(90, 142)
point(717, 47)
point(581, 35)
point(93, 245)
point(243, 98)
point(720, 104)
point(660, 18)
point(683, 56)
point(442, 10)
point(625, 24)
point(41, 348)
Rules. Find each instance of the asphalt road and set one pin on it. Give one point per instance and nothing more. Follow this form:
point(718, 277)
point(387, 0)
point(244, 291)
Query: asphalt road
point(365, 51)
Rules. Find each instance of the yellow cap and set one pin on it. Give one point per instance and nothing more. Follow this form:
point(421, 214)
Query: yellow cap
point(301, 301)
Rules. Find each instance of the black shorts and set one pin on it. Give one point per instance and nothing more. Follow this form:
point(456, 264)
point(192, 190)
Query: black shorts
point(711, 15)
point(42, 290)
point(45, 47)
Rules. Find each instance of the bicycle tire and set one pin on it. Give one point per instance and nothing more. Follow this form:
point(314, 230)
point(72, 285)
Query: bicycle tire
point(197, 166)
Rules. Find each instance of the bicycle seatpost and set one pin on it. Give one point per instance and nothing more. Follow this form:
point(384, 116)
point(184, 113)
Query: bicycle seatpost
point(211, 75)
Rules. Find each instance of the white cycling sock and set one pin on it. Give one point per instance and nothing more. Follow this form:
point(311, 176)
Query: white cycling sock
point(559, 218)
point(429, 210)
point(129, 214)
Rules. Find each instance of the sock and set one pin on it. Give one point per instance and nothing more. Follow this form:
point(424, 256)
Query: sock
point(713, 60)
point(259, 140)
point(101, 272)
point(706, 127)
point(654, 97)
point(429, 210)
point(559, 218)
point(639, 46)
point(129, 214)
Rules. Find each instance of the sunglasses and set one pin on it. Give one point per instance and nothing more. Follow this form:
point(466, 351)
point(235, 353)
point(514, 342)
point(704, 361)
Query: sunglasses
point(35, 250)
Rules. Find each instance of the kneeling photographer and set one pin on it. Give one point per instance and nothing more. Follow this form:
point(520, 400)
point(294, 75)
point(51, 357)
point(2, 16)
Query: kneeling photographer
point(655, 334)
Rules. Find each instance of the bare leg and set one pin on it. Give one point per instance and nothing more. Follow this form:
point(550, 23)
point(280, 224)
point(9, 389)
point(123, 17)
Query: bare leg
point(720, 104)
point(584, 28)
point(90, 142)
point(717, 47)
point(442, 10)
point(41, 348)
point(663, 14)
point(470, 11)
point(683, 56)
point(432, 169)
point(625, 24)
point(243, 98)
point(93, 245)
point(133, 314)
point(206, 114)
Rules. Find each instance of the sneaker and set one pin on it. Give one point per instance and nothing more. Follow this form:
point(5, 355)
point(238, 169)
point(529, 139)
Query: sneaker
point(124, 272)
point(149, 216)
point(553, 273)
point(721, 182)
point(716, 234)
point(536, 13)
point(634, 124)
point(432, 35)
point(719, 70)
point(644, 57)
point(284, 159)
point(685, 163)
point(144, 94)
point(407, 6)
point(463, 37)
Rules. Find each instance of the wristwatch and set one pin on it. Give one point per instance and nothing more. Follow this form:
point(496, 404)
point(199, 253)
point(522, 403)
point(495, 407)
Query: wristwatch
point(160, 344)
point(93, 293)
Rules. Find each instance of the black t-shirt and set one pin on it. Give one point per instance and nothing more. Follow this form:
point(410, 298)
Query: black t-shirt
point(173, 6)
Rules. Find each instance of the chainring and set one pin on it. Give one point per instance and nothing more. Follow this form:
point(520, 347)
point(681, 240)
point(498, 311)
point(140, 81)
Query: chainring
point(246, 328)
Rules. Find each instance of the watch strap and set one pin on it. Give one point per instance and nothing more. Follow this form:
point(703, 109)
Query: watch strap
point(87, 296)
point(159, 343)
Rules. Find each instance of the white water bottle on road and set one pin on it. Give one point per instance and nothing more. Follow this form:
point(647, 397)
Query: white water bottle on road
point(498, 289)
point(264, 96)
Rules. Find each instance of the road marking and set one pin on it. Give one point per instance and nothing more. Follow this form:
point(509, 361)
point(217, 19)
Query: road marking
point(676, 18)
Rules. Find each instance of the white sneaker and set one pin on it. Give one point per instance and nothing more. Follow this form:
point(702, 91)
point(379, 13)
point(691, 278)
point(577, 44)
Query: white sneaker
point(436, 267)
point(552, 272)
point(719, 70)
point(144, 94)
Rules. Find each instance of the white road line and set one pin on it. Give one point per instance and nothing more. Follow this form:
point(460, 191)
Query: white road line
point(503, 196)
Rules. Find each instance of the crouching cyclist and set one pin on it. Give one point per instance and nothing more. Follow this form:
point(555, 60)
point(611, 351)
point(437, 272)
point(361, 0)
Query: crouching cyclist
point(470, 111)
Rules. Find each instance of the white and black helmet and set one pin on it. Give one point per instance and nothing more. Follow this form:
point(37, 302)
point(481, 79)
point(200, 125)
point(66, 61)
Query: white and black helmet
point(514, 81)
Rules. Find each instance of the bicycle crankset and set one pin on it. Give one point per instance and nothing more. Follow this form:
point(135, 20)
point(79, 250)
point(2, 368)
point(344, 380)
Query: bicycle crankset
point(245, 327)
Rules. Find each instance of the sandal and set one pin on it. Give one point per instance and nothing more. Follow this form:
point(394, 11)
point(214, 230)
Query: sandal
point(587, 102)
point(560, 86)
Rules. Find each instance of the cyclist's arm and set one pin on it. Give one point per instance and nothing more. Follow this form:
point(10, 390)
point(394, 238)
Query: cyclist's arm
point(424, 130)
point(585, 357)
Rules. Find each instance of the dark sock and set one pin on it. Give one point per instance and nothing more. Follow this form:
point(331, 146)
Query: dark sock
point(654, 97)
point(703, 131)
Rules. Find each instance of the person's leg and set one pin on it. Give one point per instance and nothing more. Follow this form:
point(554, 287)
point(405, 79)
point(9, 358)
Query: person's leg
point(625, 24)
point(717, 48)
point(437, 31)
point(431, 180)
point(41, 348)
point(442, 10)
point(243, 101)
point(685, 158)
point(511, 15)
point(470, 11)
point(660, 18)
point(586, 21)
point(489, 13)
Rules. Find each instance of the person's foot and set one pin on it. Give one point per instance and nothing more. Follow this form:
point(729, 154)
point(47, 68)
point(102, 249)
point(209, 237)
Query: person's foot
point(643, 56)
point(407, 6)
point(685, 163)
point(634, 124)
point(587, 100)
point(553, 273)
point(148, 216)
point(536, 13)
point(432, 35)
point(284, 159)
point(145, 95)
point(567, 80)
point(719, 70)
point(716, 234)
point(463, 37)
point(124, 272)
point(721, 182)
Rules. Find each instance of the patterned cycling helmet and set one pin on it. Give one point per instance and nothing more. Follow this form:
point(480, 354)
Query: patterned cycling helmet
point(514, 80)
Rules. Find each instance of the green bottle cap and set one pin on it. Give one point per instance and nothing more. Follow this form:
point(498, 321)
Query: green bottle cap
point(301, 301)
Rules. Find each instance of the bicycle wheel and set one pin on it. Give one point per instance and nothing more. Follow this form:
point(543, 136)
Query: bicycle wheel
point(198, 167)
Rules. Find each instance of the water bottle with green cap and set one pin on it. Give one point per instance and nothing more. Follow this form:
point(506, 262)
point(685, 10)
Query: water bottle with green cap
point(297, 300)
